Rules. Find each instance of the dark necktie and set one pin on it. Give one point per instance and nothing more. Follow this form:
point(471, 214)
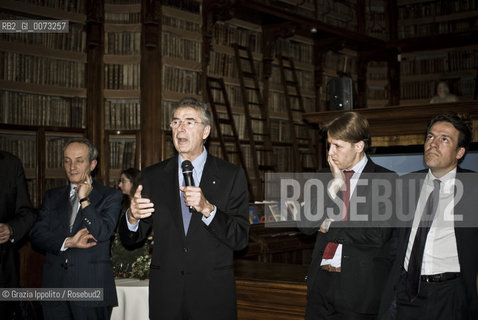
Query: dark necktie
point(74, 206)
point(416, 256)
point(346, 193)
point(331, 247)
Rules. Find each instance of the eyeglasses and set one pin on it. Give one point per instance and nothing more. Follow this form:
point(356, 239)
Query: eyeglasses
point(187, 123)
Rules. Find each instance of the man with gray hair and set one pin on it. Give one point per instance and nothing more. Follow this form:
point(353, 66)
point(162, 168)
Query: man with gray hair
point(197, 206)
point(74, 227)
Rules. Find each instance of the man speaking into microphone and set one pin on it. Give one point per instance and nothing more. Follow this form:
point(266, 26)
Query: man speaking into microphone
point(197, 206)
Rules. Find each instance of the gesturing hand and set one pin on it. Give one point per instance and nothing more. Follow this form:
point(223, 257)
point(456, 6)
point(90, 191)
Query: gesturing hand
point(80, 240)
point(140, 207)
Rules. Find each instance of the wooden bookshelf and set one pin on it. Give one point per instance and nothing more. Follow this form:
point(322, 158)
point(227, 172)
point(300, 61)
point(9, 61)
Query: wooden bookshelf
point(144, 56)
point(422, 70)
point(56, 10)
point(123, 153)
point(122, 89)
point(429, 18)
point(401, 121)
point(42, 91)
point(116, 75)
point(181, 42)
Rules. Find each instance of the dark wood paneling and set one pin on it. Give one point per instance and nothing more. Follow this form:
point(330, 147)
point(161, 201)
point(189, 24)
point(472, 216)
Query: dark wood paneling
point(270, 291)
point(399, 120)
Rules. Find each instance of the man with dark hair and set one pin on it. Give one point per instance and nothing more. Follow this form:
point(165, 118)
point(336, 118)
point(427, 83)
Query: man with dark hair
point(350, 263)
point(435, 269)
point(74, 227)
point(16, 218)
point(197, 206)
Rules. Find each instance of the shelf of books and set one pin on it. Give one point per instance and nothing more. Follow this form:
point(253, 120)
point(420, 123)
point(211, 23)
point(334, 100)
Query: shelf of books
point(23, 144)
point(122, 150)
point(338, 13)
point(427, 18)
point(375, 19)
point(42, 89)
point(222, 64)
point(377, 84)
point(181, 42)
point(420, 73)
point(300, 50)
point(122, 93)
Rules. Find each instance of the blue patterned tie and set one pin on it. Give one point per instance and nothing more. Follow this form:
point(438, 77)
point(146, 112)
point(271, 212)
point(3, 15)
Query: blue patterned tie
point(186, 211)
point(74, 206)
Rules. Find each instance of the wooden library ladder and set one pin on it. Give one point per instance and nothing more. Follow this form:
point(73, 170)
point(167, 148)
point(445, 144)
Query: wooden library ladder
point(257, 118)
point(226, 129)
point(302, 142)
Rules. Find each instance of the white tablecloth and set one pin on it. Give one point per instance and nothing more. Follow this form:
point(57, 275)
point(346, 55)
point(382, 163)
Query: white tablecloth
point(132, 300)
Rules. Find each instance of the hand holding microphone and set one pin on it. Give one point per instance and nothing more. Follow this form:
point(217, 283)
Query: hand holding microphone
point(187, 168)
point(193, 196)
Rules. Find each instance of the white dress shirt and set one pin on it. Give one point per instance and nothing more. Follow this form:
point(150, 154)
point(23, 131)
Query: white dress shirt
point(440, 253)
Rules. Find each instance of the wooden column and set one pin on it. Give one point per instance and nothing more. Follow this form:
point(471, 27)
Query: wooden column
point(362, 62)
point(319, 59)
point(151, 75)
point(393, 78)
point(95, 83)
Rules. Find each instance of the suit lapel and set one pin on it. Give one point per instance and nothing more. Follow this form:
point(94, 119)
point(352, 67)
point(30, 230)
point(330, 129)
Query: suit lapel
point(171, 174)
point(209, 186)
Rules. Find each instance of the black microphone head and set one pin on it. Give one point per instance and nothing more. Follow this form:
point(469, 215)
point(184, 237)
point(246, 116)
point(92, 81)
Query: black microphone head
point(187, 166)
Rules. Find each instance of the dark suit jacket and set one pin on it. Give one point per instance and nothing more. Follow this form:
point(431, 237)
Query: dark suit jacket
point(196, 269)
point(466, 233)
point(15, 210)
point(87, 268)
point(365, 253)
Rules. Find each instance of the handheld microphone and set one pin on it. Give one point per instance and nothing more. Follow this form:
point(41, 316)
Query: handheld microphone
point(187, 168)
